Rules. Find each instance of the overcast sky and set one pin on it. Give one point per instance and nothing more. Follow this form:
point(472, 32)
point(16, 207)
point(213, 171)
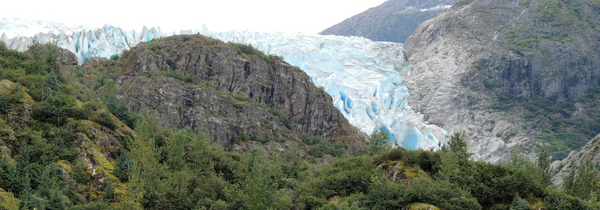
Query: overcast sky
point(306, 16)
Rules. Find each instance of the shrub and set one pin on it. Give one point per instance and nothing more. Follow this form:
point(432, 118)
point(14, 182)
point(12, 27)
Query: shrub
point(114, 57)
point(4, 104)
point(154, 46)
point(242, 49)
point(104, 118)
point(123, 166)
point(79, 173)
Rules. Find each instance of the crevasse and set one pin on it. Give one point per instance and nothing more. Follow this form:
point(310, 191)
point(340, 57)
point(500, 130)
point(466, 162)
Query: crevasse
point(363, 77)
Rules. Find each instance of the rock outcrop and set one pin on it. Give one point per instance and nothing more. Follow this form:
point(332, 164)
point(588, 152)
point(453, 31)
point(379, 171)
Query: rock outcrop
point(591, 152)
point(205, 83)
point(481, 51)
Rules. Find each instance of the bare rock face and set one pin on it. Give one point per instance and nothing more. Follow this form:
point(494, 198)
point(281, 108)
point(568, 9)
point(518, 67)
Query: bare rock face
point(204, 83)
point(392, 21)
point(591, 152)
point(479, 51)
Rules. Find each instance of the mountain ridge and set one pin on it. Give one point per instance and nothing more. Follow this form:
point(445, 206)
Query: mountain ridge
point(393, 20)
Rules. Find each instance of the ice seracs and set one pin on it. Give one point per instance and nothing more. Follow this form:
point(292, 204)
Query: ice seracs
point(363, 77)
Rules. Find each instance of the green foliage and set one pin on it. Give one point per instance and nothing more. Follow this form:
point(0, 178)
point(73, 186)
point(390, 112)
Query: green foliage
point(543, 164)
point(51, 84)
point(319, 147)
point(561, 133)
point(583, 181)
point(458, 146)
point(4, 104)
point(114, 57)
point(247, 49)
point(105, 119)
point(120, 109)
point(259, 180)
point(9, 178)
point(17, 94)
point(154, 46)
point(379, 143)
point(177, 75)
point(91, 206)
point(124, 166)
point(547, 10)
point(559, 145)
point(519, 204)
point(79, 173)
point(109, 192)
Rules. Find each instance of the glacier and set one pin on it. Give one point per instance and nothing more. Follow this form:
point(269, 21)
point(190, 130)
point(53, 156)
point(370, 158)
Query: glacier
point(363, 77)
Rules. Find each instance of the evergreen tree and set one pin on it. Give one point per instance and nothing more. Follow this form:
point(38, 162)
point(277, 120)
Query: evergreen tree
point(544, 165)
point(51, 84)
point(458, 146)
point(259, 186)
point(583, 181)
point(25, 193)
point(109, 192)
point(519, 204)
point(123, 166)
point(55, 200)
point(79, 173)
point(23, 159)
point(9, 179)
point(379, 143)
point(4, 104)
point(16, 94)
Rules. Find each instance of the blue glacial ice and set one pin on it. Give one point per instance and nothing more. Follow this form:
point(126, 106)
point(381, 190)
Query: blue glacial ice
point(363, 77)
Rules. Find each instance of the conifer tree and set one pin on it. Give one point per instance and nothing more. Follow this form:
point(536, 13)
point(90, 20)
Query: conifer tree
point(379, 143)
point(8, 176)
point(51, 84)
point(544, 165)
point(79, 173)
point(123, 166)
point(109, 192)
point(458, 146)
point(4, 104)
point(25, 193)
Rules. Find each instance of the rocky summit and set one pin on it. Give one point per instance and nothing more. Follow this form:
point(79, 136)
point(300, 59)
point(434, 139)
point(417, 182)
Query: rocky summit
point(392, 21)
point(230, 91)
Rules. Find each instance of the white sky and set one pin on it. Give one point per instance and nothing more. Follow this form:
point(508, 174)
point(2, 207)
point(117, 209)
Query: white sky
point(306, 16)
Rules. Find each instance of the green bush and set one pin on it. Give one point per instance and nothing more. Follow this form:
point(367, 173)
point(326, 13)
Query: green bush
point(4, 104)
point(154, 46)
point(79, 173)
point(242, 49)
point(123, 166)
point(105, 119)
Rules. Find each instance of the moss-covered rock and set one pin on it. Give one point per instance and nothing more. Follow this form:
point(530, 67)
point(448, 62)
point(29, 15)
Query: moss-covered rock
point(8, 201)
point(400, 171)
point(421, 206)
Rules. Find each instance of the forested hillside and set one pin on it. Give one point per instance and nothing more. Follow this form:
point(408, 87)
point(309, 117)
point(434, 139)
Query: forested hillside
point(69, 142)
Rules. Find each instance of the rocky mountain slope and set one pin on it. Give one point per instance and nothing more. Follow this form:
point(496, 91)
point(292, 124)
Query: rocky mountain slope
point(360, 75)
point(591, 152)
point(231, 91)
point(509, 74)
point(393, 21)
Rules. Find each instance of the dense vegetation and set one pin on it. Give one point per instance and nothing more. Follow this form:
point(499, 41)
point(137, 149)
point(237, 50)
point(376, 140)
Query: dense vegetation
point(182, 169)
point(561, 130)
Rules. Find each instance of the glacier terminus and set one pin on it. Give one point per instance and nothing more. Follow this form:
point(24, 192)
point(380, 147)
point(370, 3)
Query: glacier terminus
point(363, 77)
